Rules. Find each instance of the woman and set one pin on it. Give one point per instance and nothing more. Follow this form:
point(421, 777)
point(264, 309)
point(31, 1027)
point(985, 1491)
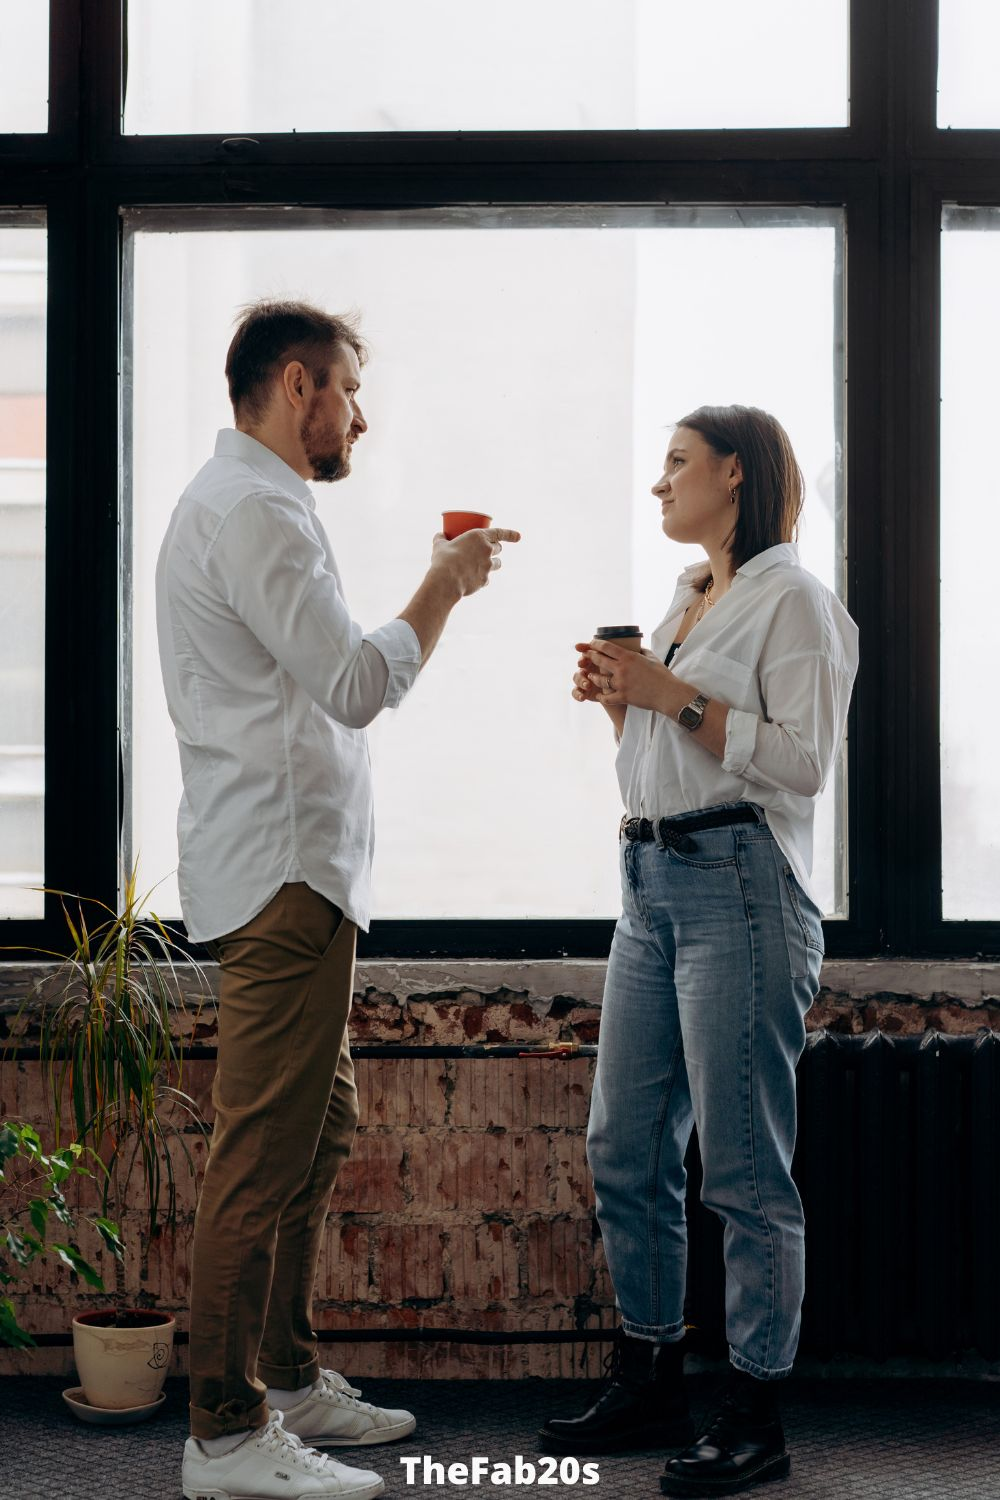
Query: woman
point(727, 730)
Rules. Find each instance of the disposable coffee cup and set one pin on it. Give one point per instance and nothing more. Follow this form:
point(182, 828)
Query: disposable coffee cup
point(629, 636)
point(455, 522)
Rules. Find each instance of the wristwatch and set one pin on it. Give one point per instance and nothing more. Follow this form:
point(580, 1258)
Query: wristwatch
point(692, 713)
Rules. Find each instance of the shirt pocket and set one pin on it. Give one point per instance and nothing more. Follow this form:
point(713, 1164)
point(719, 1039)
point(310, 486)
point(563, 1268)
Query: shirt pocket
point(718, 676)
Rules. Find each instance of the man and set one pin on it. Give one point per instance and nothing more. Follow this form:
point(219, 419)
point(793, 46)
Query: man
point(270, 685)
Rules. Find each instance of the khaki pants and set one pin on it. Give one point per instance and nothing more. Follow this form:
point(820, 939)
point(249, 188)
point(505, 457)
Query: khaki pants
point(286, 1110)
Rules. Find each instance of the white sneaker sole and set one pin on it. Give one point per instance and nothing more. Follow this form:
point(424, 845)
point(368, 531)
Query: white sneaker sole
point(369, 1439)
point(362, 1492)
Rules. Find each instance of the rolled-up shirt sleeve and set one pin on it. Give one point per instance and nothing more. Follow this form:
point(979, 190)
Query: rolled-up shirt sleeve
point(806, 674)
point(397, 645)
point(272, 572)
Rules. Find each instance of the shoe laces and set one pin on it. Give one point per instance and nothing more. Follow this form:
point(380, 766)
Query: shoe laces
point(334, 1378)
point(290, 1448)
point(335, 1388)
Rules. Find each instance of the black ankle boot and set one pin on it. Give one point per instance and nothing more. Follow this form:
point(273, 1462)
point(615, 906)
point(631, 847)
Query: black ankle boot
point(641, 1405)
point(741, 1445)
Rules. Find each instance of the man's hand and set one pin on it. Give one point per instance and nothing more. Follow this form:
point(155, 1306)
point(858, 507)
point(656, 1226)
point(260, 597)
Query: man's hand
point(457, 568)
point(468, 561)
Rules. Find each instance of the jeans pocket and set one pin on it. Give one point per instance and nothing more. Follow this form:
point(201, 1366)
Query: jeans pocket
point(708, 849)
point(692, 862)
point(800, 936)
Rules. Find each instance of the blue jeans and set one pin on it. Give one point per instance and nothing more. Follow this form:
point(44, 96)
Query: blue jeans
point(714, 963)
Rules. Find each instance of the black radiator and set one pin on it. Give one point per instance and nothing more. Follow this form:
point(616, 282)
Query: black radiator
point(898, 1165)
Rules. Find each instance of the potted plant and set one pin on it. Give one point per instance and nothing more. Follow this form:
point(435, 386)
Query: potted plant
point(32, 1194)
point(106, 1023)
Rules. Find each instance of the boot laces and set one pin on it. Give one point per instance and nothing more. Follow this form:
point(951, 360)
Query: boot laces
point(725, 1413)
point(614, 1360)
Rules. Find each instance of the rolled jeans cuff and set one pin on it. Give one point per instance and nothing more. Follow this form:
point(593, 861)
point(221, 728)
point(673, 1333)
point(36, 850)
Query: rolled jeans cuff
point(741, 1362)
point(664, 1333)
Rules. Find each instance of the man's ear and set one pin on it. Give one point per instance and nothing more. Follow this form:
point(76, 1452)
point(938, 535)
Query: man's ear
point(294, 379)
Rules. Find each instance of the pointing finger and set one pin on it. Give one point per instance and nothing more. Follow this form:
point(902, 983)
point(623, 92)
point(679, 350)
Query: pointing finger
point(498, 534)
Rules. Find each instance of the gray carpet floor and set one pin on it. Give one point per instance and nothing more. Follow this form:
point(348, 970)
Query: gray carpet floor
point(921, 1439)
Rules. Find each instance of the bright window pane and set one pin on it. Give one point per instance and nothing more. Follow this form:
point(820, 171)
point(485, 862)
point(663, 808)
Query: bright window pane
point(22, 566)
point(527, 364)
point(970, 541)
point(969, 43)
point(330, 65)
point(24, 66)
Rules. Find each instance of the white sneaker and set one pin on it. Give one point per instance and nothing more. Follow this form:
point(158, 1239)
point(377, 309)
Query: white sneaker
point(271, 1463)
point(331, 1416)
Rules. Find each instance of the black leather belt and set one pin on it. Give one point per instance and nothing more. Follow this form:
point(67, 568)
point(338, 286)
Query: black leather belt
point(674, 831)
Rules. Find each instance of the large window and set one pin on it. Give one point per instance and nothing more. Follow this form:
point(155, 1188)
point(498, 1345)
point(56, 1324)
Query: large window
point(528, 363)
point(397, 65)
point(24, 66)
point(970, 547)
point(22, 565)
point(563, 225)
point(967, 80)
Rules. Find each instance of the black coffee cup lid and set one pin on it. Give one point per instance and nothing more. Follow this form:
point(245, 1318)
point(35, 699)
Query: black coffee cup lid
point(606, 632)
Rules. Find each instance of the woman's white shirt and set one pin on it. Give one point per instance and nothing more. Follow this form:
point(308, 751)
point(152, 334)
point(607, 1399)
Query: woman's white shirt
point(781, 650)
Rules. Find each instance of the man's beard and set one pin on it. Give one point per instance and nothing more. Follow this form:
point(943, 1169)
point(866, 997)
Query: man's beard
point(327, 464)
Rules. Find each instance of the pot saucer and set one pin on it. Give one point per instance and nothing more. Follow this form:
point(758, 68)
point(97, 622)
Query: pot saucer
point(108, 1416)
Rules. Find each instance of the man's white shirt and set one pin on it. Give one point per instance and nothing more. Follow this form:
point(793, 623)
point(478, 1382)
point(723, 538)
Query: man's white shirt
point(270, 684)
point(781, 650)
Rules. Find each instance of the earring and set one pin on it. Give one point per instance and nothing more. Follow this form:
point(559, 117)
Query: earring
point(732, 497)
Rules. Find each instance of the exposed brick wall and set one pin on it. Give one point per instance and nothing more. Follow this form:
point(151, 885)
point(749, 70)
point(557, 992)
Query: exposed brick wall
point(467, 1203)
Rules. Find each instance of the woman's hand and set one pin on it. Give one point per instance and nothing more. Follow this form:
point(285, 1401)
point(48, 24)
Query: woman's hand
point(584, 690)
point(620, 677)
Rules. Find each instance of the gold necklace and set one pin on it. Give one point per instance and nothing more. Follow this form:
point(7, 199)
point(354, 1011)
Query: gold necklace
point(706, 600)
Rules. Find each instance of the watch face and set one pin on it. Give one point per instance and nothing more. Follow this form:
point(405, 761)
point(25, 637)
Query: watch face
point(692, 713)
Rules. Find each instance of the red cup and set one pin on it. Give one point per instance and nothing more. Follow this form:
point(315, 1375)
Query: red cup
point(455, 522)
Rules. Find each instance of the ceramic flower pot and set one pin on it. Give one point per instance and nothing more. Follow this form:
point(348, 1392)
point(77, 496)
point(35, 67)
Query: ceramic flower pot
point(126, 1366)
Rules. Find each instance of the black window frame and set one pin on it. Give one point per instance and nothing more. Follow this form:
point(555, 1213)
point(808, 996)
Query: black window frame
point(891, 169)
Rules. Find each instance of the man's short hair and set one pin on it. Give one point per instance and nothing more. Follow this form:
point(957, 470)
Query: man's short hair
point(269, 335)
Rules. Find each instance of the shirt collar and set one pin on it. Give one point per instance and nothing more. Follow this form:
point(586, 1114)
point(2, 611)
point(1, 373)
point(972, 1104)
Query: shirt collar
point(233, 444)
point(784, 552)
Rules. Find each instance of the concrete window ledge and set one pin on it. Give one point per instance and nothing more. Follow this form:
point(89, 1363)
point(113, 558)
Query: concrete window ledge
point(436, 1001)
